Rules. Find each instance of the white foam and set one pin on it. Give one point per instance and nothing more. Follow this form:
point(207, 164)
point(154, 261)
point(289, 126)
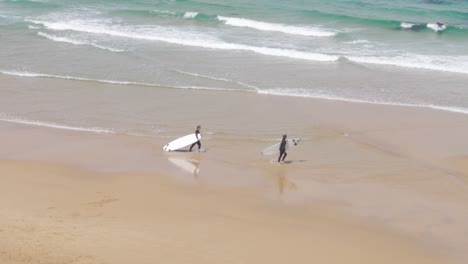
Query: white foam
point(436, 27)
point(6, 118)
point(298, 92)
point(218, 79)
point(163, 12)
point(33, 27)
point(190, 14)
point(266, 26)
point(358, 41)
point(181, 38)
point(457, 64)
point(406, 25)
point(76, 42)
point(66, 77)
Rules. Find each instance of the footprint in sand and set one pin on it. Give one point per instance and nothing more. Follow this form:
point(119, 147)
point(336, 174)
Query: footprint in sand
point(102, 202)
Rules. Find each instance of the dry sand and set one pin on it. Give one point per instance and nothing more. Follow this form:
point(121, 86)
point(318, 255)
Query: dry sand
point(58, 214)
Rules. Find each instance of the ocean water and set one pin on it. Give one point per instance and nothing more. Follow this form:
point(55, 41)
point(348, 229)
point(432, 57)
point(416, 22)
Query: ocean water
point(367, 51)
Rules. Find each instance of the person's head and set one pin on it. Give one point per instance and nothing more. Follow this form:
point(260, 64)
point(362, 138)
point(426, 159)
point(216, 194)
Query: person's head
point(285, 136)
point(198, 127)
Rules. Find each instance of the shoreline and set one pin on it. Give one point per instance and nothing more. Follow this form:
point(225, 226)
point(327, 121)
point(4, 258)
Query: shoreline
point(451, 109)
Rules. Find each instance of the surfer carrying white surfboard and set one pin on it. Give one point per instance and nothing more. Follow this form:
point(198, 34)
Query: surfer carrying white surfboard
point(282, 149)
point(197, 133)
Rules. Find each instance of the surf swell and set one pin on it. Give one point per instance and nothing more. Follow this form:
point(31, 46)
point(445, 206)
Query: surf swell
point(418, 27)
point(265, 26)
point(306, 30)
point(456, 64)
point(173, 36)
point(389, 23)
point(190, 14)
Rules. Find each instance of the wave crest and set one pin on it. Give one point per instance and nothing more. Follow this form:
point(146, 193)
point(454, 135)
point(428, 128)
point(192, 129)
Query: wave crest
point(266, 26)
point(180, 38)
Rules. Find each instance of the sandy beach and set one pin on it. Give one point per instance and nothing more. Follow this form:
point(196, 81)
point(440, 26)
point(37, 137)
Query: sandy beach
point(56, 214)
point(368, 184)
point(91, 92)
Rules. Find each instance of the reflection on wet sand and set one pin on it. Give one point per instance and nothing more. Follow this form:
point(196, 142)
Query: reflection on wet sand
point(188, 165)
point(283, 182)
point(279, 173)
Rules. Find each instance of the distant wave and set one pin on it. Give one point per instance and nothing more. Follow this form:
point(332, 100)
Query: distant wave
point(456, 64)
point(34, 3)
point(417, 27)
point(76, 42)
point(156, 11)
point(190, 14)
point(436, 27)
point(386, 23)
point(297, 92)
point(358, 41)
point(266, 26)
point(169, 37)
point(7, 118)
point(66, 77)
point(307, 30)
point(241, 22)
point(406, 25)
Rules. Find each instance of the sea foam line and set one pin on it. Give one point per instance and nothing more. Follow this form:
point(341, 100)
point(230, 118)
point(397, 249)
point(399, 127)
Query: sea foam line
point(148, 34)
point(293, 92)
point(278, 27)
point(218, 79)
point(67, 77)
point(76, 42)
point(308, 94)
point(435, 63)
point(6, 118)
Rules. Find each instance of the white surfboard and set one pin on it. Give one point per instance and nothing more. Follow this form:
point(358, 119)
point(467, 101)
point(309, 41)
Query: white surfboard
point(274, 149)
point(182, 142)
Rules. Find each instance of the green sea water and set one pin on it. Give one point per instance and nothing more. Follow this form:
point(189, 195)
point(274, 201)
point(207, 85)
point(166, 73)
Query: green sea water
point(347, 50)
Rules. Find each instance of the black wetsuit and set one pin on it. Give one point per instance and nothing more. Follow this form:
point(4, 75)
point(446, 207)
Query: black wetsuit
point(282, 150)
point(197, 132)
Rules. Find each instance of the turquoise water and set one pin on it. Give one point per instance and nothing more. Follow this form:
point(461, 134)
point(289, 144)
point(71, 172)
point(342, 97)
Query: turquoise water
point(389, 52)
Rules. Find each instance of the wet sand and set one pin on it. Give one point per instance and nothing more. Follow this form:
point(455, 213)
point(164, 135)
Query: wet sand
point(378, 184)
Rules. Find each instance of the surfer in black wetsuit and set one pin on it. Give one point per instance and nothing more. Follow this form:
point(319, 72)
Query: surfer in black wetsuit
point(197, 132)
point(282, 149)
